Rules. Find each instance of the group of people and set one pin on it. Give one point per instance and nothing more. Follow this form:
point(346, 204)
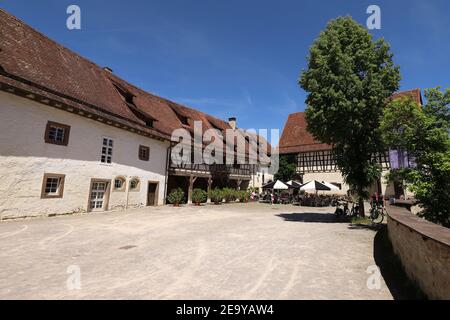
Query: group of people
point(309, 199)
point(302, 199)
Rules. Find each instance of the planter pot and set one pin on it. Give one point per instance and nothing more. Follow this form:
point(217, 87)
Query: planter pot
point(197, 204)
point(176, 204)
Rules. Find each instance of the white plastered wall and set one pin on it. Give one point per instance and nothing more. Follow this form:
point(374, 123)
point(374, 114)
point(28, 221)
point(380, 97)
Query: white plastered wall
point(256, 180)
point(25, 158)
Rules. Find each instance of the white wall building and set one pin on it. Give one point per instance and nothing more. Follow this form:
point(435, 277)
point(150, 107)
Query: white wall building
point(39, 176)
point(74, 137)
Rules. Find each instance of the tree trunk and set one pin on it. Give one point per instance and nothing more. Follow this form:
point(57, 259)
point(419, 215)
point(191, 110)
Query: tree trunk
point(361, 207)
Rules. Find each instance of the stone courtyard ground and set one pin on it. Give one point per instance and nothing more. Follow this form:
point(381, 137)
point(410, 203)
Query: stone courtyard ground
point(233, 251)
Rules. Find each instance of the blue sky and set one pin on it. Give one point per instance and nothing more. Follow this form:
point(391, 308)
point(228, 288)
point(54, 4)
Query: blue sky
point(236, 58)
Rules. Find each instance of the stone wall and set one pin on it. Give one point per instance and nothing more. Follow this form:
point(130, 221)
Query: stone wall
point(424, 250)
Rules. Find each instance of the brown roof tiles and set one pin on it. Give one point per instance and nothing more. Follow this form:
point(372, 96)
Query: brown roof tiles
point(32, 63)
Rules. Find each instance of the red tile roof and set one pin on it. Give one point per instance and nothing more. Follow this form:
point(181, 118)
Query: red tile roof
point(296, 138)
point(38, 68)
point(414, 94)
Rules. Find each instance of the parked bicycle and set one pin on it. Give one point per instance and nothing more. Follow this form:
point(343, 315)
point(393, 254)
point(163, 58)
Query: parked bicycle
point(377, 209)
point(341, 209)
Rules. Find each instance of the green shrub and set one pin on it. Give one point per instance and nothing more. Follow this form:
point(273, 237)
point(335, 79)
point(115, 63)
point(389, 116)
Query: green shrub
point(229, 194)
point(216, 196)
point(176, 196)
point(199, 195)
point(243, 195)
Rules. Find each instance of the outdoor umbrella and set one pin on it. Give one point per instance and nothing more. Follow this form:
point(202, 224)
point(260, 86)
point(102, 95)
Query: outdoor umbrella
point(314, 185)
point(294, 184)
point(330, 185)
point(277, 185)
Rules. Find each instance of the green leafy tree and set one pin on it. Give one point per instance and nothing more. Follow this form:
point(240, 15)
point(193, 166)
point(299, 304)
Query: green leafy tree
point(286, 169)
point(423, 131)
point(349, 80)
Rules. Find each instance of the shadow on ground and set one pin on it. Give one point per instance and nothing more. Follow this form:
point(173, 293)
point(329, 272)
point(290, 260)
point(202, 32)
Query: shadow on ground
point(312, 217)
point(361, 226)
point(400, 286)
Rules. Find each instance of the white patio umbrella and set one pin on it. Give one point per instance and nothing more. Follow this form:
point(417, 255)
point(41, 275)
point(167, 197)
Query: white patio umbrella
point(277, 185)
point(330, 185)
point(294, 184)
point(315, 186)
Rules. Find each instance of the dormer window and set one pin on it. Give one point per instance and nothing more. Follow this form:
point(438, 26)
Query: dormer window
point(218, 129)
point(127, 96)
point(129, 100)
point(184, 120)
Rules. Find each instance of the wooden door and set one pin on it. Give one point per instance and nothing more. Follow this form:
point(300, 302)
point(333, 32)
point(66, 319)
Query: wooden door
point(151, 194)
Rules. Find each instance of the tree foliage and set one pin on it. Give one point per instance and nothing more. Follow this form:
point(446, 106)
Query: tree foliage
point(423, 131)
point(349, 80)
point(286, 169)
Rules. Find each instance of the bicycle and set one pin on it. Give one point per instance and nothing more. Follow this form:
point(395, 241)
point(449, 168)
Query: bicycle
point(341, 209)
point(377, 212)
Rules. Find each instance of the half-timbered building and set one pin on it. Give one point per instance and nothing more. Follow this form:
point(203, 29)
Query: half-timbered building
point(315, 160)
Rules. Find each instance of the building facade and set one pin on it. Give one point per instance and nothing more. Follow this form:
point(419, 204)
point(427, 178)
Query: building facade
point(74, 137)
point(315, 160)
point(55, 162)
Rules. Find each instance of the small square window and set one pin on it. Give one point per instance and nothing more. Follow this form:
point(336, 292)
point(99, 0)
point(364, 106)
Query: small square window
point(144, 153)
point(52, 185)
point(107, 151)
point(57, 133)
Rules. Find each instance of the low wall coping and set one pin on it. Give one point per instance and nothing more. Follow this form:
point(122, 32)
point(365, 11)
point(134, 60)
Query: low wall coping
point(425, 228)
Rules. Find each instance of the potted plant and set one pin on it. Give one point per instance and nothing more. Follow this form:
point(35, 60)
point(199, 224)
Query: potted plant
point(229, 194)
point(198, 196)
point(176, 196)
point(243, 196)
point(216, 196)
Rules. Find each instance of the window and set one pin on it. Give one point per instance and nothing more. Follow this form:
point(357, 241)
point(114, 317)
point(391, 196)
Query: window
point(128, 97)
point(184, 120)
point(52, 185)
point(134, 184)
point(144, 153)
point(119, 184)
point(57, 133)
point(107, 150)
point(149, 123)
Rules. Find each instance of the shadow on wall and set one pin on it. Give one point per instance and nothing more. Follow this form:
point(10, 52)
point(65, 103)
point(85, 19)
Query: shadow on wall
point(312, 217)
point(400, 286)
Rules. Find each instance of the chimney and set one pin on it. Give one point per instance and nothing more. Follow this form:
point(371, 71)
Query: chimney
point(232, 123)
point(108, 69)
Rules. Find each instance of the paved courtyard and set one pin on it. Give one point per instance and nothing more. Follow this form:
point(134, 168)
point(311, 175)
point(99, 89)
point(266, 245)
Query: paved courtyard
point(235, 251)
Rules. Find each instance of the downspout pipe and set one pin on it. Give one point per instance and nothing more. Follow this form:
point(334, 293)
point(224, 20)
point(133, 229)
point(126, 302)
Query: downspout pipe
point(169, 149)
